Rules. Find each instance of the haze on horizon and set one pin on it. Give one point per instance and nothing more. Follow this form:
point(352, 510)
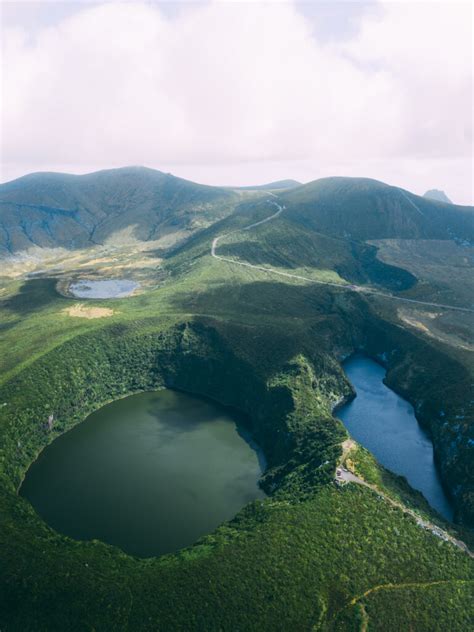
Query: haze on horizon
point(240, 93)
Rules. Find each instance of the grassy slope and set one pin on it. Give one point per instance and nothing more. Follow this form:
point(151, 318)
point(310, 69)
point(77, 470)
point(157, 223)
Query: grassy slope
point(363, 209)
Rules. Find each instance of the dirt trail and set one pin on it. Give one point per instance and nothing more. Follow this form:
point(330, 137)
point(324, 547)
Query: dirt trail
point(438, 582)
point(358, 600)
point(343, 477)
point(81, 311)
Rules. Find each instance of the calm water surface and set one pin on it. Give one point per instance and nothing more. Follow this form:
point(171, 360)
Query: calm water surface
point(150, 473)
point(105, 288)
point(385, 424)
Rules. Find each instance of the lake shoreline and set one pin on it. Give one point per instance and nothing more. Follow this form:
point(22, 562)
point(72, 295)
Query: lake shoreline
point(378, 415)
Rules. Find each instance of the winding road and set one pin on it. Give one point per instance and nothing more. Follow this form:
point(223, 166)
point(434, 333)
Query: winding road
point(345, 286)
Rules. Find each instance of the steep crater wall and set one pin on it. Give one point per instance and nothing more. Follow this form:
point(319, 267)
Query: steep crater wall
point(289, 410)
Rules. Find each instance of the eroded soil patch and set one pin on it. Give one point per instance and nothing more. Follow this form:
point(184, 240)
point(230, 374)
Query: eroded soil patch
point(81, 311)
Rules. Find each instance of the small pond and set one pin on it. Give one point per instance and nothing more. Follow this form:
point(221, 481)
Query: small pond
point(150, 473)
point(385, 424)
point(103, 288)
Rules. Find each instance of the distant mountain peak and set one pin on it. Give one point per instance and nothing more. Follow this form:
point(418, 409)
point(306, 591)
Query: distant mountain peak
point(439, 196)
point(278, 185)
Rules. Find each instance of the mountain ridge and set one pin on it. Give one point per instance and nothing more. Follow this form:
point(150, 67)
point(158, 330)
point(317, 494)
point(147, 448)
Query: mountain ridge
point(272, 186)
point(74, 211)
point(363, 209)
point(49, 209)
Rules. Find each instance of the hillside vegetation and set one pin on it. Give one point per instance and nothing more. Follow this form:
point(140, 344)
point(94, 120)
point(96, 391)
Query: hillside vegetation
point(61, 210)
point(360, 208)
point(294, 561)
point(313, 555)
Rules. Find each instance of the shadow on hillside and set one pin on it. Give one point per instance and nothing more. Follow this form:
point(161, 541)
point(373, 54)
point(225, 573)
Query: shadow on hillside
point(358, 265)
point(7, 326)
point(270, 300)
point(252, 252)
point(33, 295)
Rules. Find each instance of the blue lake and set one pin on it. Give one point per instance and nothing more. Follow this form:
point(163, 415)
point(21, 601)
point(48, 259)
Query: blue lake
point(385, 424)
point(104, 288)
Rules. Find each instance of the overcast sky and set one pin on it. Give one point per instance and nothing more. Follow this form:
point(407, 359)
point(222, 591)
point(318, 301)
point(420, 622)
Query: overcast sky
point(242, 92)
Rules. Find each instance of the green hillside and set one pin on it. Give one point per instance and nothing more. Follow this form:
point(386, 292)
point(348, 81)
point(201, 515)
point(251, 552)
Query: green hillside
point(239, 329)
point(289, 245)
point(294, 561)
point(360, 208)
point(53, 209)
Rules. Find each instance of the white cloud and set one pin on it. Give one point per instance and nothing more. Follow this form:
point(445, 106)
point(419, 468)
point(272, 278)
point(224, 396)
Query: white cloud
point(427, 48)
point(242, 84)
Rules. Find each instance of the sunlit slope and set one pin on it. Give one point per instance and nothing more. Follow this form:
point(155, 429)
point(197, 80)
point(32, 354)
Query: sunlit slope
point(55, 209)
point(361, 209)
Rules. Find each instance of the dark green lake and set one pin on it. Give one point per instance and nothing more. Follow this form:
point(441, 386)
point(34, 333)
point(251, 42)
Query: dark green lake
point(150, 473)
